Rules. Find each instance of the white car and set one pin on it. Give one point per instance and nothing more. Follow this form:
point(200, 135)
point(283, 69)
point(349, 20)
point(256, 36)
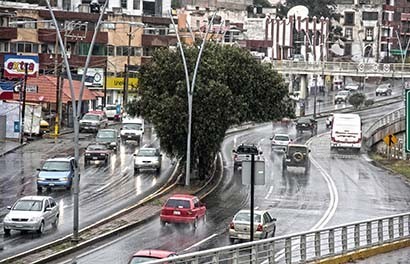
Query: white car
point(132, 129)
point(384, 89)
point(352, 87)
point(280, 141)
point(31, 213)
point(111, 112)
point(150, 158)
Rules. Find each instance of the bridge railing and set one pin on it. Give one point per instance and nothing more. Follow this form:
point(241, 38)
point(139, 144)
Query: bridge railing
point(389, 118)
point(306, 246)
point(343, 67)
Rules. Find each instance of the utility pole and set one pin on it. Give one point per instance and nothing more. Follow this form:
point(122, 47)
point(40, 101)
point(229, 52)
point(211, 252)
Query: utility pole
point(105, 86)
point(314, 96)
point(127, 69)
point(23, 108)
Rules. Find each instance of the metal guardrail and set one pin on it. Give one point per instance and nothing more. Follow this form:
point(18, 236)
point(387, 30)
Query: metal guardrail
point(387, 119)
point(344, 68)
point(306, 246)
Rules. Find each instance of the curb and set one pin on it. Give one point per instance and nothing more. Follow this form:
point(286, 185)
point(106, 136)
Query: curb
point(13, 149)
point(365, 253)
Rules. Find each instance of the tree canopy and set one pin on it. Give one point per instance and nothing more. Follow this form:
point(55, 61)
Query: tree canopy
point(318, 8)
point(231, 88)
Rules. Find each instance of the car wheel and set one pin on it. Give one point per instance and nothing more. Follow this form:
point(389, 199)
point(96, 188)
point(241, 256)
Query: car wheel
point(40, 230)
point(106, 161)
point(195, 224)
point(6, 231)
point(136, 170)
point(158, 169)
point(231, 240)
point(86, 162)
point(163, 223)
point(39, 189)
point(68, 188)
point(55, 223)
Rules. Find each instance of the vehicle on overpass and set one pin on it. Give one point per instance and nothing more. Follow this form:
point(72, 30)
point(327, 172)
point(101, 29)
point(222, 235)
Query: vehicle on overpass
point(346, 132)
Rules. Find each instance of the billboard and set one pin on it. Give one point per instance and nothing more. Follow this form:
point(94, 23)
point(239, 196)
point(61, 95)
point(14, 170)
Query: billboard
point(14, 66)
point(117, 83)
point(95, 76)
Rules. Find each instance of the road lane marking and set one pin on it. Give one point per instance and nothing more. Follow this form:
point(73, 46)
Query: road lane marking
point(200, 242)
point(269, 192)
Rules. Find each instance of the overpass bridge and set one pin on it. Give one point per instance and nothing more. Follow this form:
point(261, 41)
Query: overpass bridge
point(337, 69)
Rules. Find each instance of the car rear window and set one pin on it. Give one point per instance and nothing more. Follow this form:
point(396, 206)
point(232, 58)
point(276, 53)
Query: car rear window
point(105, 134)
point(111, 108)
point(247, 149)
point(97, 147)
point(91, 117)
point(177, 203)
point(147, 152)
point(282, 138)
point(131, 126)
point(246, 217)
point(297, 149)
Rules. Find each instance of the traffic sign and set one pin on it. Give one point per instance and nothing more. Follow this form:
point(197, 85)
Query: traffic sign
point(407, 96)
point(6, 90)
point(390, 140)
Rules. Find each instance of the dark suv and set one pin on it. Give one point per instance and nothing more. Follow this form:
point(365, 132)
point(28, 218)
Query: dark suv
point(306, 124)
point(297, 155)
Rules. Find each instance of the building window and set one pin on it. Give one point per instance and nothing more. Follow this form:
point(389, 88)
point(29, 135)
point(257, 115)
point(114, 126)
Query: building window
point(385, 17)
point(4, 47)
point(110, 50)
point(369, 34)
point(384, 47)
point(23, 22)
point(349, 18)
point(342, 2)
point(25, 47)
point(349, 33)
point(370, 15)
point(348, 50)
point(137, 5)
point(124, 4)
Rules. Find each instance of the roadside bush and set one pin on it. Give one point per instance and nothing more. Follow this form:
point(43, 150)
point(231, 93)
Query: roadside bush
point(357, 100)
point(368, 102)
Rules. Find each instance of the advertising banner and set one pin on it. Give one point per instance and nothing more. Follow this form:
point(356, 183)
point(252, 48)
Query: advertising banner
point(14, 66)
point(117, 83)
point(95, 76)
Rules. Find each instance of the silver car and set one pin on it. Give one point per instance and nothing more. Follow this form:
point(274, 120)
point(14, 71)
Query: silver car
point(32, 213)
point(147, 158)
point(264, 225)
point(280, 142)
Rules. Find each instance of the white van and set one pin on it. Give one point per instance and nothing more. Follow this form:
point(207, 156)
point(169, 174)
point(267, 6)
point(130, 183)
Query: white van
point(346, 132)
point(132, 129)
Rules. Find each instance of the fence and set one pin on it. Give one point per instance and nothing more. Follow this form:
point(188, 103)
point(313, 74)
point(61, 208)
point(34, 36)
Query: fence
point(306, 246)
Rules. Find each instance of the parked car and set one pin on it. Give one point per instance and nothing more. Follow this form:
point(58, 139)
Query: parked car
point(110, 137)
point(31, 213)
point(240, 227)
point(338, 84)
point(56, 172)
point(297, 155)
point(342, 96)
point(352, 87)
point(280, 141)
point(384, 89)
point(148, 158)
point(329, 121)
point(243, 152)
point(132, 129)
point(147, 255)
point(97, 152)
point(306, 124)
point(93, 121)
point(182, 208)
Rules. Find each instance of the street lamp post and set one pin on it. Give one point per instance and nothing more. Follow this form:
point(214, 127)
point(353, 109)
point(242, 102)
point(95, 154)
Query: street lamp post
point(190, 91)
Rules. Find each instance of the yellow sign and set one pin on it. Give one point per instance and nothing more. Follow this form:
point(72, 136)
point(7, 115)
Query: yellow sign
point(117, 83)
point(390, 140)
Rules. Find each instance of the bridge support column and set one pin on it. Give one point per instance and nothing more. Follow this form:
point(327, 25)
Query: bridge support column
point(303, 86)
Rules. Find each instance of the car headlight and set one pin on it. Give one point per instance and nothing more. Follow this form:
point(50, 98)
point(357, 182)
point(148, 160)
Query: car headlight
point(64, 179)
point(7, 218)
point(34, 219)
point(41, 179)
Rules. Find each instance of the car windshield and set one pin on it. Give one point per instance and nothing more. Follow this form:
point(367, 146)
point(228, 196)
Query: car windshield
point(177, 203)
point(28, 205)
point(304, 120)
point(111, 107)
point(141, 259)
point(282, 138)
point(132, 126)
point(97, 147)
point(105, 134)
point(147, 152)
point(383, 86)
point(56, 166)
point(91, 117)
point(246, 217)
point(343, 93)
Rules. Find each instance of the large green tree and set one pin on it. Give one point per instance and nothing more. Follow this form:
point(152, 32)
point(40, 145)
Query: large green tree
point(318, 8)
point(231, 88)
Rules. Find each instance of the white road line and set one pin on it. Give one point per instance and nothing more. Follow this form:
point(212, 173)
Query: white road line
point(200, 242)
point(334, 201)
point(269, 192)
point(366, 158)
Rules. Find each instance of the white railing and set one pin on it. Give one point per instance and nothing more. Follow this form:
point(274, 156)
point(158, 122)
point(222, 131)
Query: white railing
point(387, 119)
point(340, 68)
point(306, 246)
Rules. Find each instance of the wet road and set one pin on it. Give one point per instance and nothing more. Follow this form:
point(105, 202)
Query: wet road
point(104, 190)
point(340, 188)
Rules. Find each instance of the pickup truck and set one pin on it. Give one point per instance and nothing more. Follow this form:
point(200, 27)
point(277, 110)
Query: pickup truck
point(243, 152)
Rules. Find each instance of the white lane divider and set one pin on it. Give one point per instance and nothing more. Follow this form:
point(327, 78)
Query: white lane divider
point(269, 192)
point(200, 242)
